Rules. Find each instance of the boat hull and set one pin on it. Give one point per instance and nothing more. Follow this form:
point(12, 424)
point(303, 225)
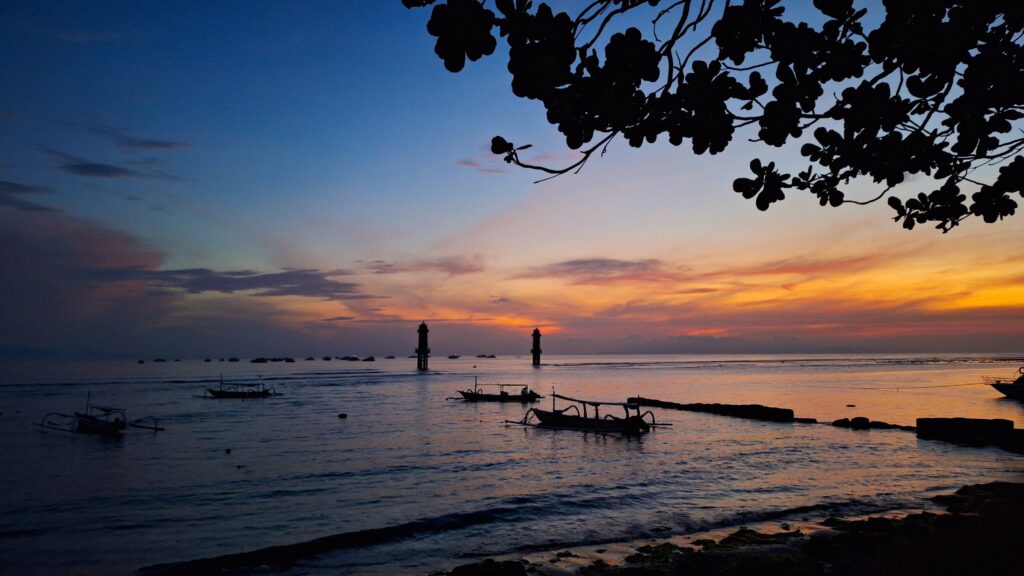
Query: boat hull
point(1015, 391)
point(238, 393)
point(634, 425)
point(482, 397)
point(92, 425)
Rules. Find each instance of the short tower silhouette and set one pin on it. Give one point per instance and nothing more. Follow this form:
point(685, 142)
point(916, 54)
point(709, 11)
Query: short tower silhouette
point(423, 350)
point(536, 347)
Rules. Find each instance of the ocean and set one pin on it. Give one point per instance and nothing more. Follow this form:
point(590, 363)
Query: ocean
point(419, 482)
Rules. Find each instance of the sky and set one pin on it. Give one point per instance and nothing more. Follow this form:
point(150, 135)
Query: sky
point(197, 179)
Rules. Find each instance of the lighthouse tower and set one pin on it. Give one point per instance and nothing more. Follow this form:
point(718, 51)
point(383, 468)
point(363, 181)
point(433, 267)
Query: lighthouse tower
point(423, 350)
point(536, 347)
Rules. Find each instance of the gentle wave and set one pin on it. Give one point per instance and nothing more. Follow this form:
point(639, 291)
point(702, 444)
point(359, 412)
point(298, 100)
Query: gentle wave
point(523, 509)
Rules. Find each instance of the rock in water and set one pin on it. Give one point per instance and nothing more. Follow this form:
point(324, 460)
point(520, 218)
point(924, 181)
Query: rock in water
point(860, 423)
point(972, 431)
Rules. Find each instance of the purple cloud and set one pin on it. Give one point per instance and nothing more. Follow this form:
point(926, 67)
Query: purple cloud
point(130, 142)
point(483, 167)
point(451, 265)
point(84, 167)
point(307, 283)
point(11, 193)
point(600, 270)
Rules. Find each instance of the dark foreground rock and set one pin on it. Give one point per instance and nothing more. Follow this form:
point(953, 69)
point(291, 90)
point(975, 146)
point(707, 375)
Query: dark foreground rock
point(980, 535)
point(490, 568)
point(750, 411)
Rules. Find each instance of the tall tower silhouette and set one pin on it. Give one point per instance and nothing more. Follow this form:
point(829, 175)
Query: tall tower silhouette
point(423, 350)
point(536, 347)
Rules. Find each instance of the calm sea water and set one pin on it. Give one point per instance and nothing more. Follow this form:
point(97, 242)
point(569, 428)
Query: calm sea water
point(452, 479)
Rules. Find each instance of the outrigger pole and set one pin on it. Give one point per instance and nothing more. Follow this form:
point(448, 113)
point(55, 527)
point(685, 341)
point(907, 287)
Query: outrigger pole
point(597, 411)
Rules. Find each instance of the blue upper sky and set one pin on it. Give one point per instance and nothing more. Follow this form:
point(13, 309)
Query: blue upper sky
point(285, 110)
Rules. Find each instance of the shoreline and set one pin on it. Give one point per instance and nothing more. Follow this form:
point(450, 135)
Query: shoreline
point(793, 540)
point(976, 530)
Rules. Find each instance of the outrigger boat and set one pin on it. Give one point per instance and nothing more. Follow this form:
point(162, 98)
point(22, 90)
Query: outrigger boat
point(525, 395)
point(242, 390)
point(98, 420)
point(1011, 389)
point(632, 424)
point(101, 420)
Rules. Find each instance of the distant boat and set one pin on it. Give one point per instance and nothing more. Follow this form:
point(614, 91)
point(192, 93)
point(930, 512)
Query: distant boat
point(389, 357)
point(454, 356)
point(232, 359)
point(1011, 389)
point(369, 359)
point(160, 360)
point(524, 396)
point(240, 390)
point(327, 358)
point(630, 424)
point(308, 358)
point(486, 356)
point(351, 358)
point(96, 420)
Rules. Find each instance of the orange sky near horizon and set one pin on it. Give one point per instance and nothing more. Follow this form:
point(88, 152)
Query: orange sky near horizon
point(860, 293)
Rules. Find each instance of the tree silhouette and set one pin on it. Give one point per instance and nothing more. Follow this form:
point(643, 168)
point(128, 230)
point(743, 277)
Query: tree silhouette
point(936, 89)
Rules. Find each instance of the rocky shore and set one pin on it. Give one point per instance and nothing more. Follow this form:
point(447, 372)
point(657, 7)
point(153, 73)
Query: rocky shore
point(981, 533)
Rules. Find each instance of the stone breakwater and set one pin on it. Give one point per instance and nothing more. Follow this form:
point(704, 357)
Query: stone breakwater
point(965, 431)
point(749, 411)
point(973, 432)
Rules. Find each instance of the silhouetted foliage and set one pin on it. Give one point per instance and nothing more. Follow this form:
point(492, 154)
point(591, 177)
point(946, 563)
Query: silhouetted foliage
point(935, 89)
